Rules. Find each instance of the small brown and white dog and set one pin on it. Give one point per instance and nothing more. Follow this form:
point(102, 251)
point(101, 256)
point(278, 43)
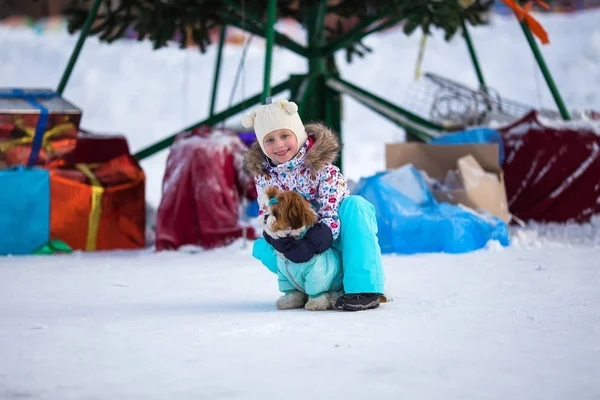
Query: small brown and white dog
point(288, 214)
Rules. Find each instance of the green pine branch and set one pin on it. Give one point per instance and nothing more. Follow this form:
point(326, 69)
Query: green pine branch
point(160, 21)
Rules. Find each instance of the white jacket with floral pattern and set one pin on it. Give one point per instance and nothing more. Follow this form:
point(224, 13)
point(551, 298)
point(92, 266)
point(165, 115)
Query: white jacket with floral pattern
point(310, 173)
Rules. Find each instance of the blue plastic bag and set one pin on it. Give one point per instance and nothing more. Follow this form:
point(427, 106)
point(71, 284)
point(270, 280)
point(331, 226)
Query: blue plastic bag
point(406, 227)
point(252, 209)
point(409, 181)
point(24, 210)
point(475, 135)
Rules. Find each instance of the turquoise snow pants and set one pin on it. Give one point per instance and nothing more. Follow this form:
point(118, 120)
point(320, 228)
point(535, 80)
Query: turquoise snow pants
point(358, 243)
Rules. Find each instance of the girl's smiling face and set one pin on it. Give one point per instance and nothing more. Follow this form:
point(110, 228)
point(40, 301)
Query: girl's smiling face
point(281, 145)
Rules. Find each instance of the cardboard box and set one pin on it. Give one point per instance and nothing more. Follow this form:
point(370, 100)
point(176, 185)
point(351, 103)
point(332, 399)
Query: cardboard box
point(18, 121)
point(478, 172)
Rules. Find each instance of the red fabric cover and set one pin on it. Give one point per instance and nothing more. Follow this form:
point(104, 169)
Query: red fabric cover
point(202, 188)
point(552, 174)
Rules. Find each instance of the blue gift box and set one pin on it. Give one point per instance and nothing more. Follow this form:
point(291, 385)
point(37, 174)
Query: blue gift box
point(24, 210)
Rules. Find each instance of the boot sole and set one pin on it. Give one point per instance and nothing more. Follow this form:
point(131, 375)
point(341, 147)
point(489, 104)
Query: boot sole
point(359, 307)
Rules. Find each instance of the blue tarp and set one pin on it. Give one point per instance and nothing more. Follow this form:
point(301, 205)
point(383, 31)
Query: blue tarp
point(24, 210)
point(406, 227)
point(475, 135)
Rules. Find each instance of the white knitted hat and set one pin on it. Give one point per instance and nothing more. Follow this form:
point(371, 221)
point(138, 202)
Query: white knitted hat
point(281, 114)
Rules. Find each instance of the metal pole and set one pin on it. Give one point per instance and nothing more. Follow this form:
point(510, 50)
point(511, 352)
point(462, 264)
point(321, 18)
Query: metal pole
point(423, 128)
point(82, 36)
point(221, 116)
point(314, 98)
point(270, 36)
point(316, 39)
point(474, 58)
point(359, 32)
point(254, 25)
point(545, 71)
point(213, 98)
point(333, 116)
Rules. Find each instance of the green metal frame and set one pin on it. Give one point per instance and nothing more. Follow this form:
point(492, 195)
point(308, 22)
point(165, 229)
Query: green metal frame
point(474, 57)
point(270, 37)
point(545, 71)
point(85, 30)
point(215, 119)
point(359, 32)
point(213, 97)
point(539, 58)
point(421, 127)
point(318, 93)
point(252, 24)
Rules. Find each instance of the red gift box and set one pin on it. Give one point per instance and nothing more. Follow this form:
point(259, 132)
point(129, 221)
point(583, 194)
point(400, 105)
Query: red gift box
point(20, 112)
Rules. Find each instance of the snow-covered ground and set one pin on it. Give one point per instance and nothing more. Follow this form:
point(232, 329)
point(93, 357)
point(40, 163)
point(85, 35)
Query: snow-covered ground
point(521, 322)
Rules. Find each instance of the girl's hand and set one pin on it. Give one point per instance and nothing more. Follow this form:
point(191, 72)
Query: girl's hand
point(317, 240)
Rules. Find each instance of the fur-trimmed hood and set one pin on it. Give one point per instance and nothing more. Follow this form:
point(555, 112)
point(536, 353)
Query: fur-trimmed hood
point(324, 150)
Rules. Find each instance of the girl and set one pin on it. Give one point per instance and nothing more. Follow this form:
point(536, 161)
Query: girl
point(290, 156)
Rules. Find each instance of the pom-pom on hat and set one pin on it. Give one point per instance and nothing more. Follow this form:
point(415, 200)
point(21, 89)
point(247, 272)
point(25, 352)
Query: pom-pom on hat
point(281, 114)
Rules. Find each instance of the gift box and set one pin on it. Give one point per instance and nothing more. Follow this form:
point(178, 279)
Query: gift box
point(38, 120)
point(20, 154)
point(98, 203)
point(24, 210)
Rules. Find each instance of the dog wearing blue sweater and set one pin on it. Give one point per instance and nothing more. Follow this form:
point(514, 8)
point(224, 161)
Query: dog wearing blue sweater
point(315, 284)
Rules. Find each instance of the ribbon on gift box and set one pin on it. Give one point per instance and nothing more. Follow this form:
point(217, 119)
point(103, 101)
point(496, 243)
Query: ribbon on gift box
point(47, 136)
point(96, 206)
point(32, 98)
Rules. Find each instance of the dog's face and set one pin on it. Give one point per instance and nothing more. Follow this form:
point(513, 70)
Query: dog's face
point(288, 213)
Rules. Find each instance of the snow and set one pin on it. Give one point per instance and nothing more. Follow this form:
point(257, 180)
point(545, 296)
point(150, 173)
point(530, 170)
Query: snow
point(515, 322)
point(592, 126)
point(558, 235)
point(490, 325)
